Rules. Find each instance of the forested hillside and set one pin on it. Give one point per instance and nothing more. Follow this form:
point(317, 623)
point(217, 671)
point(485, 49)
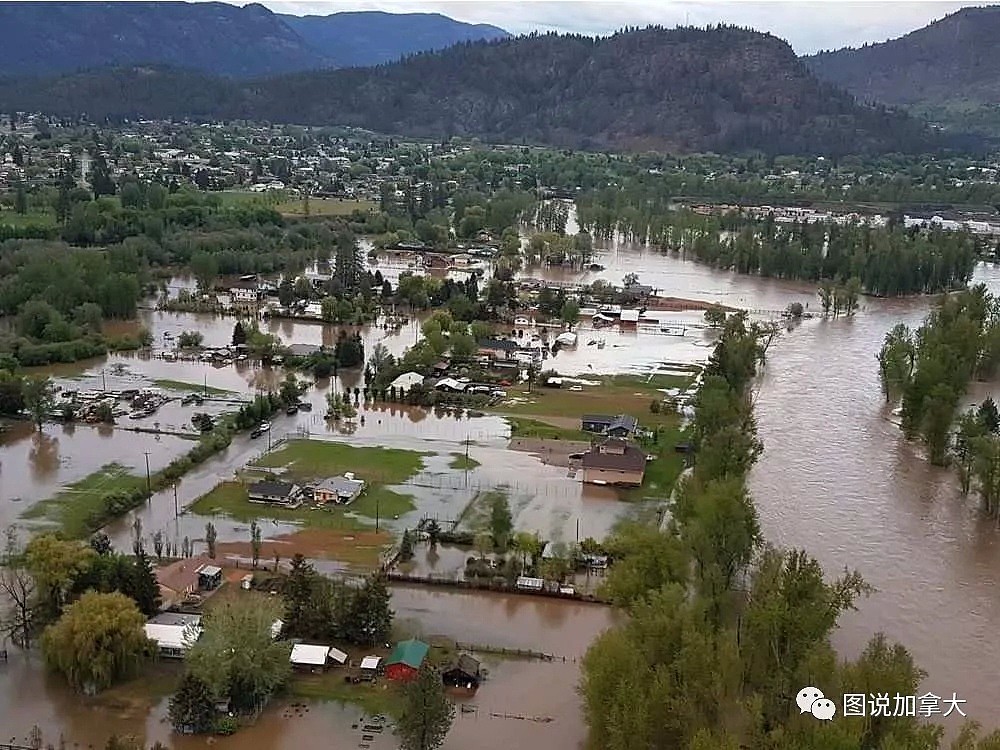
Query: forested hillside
point(722, 89)
point(46, 38)
point(947, 71)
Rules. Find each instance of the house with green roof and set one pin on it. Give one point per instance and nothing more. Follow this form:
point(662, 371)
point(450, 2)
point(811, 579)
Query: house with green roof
point(406, 659)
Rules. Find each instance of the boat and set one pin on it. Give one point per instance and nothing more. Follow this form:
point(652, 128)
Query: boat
point(566, 339)
point(595, 267)
point(600, 344)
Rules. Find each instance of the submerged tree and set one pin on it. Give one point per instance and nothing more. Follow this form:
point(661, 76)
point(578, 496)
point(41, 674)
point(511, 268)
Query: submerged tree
point(427, 713)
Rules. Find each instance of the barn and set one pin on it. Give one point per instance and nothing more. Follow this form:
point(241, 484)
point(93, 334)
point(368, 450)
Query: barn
point(405, 660)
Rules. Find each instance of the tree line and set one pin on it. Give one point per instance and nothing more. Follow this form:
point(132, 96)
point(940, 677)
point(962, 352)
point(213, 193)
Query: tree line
point(723, 630)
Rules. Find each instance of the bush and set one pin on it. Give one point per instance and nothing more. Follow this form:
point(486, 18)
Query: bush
point(226, 725)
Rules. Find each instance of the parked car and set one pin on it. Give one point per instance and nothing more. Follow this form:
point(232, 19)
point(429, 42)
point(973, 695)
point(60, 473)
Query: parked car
point(305, 406)
point(292, 410)
point(264, 426)
point(257, 432)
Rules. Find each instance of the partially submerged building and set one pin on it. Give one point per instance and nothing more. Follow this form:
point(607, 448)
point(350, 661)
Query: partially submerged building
point(616, 462)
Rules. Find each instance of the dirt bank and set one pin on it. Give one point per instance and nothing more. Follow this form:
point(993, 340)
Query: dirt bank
point(553, 452)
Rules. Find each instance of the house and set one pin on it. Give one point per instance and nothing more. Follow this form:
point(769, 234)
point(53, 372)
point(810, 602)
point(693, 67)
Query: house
point(407, 380)
point(405, 660)
point(277, 493)
point(465, 672)
point(629, 318)
point(303, 350)
point(440, 368)
point(309, 658)
point(181, 579)
point(174, 633)
point(244, 292)
point(499, 348)
point(622, 426)
point(450, 384)
point(338, 490)
point(615, 461)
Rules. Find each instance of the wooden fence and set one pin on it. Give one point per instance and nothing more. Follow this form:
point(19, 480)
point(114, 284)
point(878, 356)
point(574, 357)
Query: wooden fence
point(491, 585)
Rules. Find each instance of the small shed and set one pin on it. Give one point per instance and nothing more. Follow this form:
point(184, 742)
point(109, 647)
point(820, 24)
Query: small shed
point(405, 660)
point(209, 577)
point(337, 656)
point(309, 657)
point(369, 666)
point(465, 672)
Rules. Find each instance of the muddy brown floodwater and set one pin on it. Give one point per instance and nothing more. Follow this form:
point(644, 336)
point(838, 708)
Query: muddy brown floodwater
point(522, 702)
point(836, 478)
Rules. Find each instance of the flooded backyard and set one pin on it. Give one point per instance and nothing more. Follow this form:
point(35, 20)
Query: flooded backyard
point(537, 698)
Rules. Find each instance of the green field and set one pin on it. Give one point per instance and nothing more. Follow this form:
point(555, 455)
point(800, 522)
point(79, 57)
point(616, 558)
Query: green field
point(34, 218)
point(307, 460)
point(183, 387)
point(520, 427)
point(230, 499)
point(70, 509)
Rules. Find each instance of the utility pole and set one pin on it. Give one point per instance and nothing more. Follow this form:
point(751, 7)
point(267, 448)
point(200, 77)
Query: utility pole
point(176, 513)
point(205, 385)
point(104, 382)
point(376, 514)
point(149, 486)
point(577, 530)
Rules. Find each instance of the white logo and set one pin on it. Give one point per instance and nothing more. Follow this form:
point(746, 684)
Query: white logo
point(811, 700)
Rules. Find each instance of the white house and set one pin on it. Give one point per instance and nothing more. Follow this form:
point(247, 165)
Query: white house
point(309, 657)
point(407, 380)
point(174, 634)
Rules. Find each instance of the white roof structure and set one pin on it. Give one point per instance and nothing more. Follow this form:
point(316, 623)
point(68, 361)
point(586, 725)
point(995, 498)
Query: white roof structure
point(337, 655)
point(407, 380)
point(172, 636)
point(313, 656)
point(209, 570)
point(276, 627)
point(630, 316)
point(371, 662)
point(524, 582)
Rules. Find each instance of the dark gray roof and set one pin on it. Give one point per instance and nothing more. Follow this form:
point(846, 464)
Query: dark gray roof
point(630, 423)
point(632, 459)
point(597, 418)
point(466, 664)
point(503, 345)
point(271, 489)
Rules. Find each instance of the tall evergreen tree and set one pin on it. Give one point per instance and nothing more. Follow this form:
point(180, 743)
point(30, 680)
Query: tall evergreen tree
point(427, 713)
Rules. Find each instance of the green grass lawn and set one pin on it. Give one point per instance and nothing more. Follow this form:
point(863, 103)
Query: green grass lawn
point(314, 459)
point(462, 462)
point(532, 428)
point(383, 697)
point(33, 218)
point(180, 385)
point(661, 473)
point(70, 509)
point(230, 499)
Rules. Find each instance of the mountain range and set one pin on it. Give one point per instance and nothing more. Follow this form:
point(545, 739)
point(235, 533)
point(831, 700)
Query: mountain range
point(719, 89)
point(947, 72)
point(427, 75)
point(215, 38)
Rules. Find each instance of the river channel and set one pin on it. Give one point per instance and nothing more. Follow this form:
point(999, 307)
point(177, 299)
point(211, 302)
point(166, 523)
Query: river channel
point(836, 478)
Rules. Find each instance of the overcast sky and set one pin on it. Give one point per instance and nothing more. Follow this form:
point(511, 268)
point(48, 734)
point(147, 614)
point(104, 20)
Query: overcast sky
point(808, 26)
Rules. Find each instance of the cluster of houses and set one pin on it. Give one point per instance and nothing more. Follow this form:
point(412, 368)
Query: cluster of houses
point(342, 490)
point(175, 633)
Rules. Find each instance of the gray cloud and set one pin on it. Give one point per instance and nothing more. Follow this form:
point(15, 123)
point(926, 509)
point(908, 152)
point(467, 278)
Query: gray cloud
point(808, 26)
